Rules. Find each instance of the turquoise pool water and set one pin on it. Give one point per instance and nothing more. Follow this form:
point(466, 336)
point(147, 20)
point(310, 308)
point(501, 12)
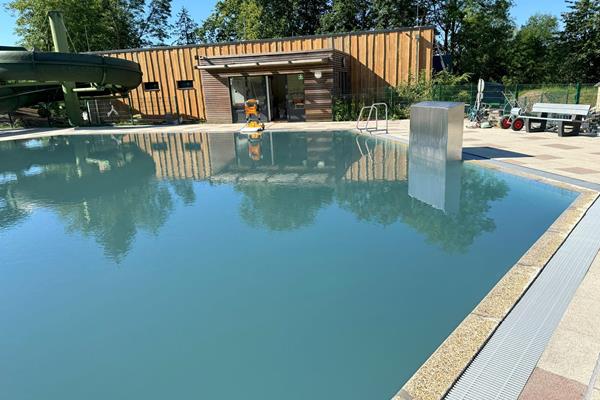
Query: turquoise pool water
point(301, 266)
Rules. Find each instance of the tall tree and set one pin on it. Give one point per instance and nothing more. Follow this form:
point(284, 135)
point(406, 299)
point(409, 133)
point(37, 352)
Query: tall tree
point(157, 27)
point(347, 16)
point(580, 42)
point(447, 16)
point(94, 24)
point(389, 14)
point(532, 51)
point(225, 23)
point(260, 19)
point(185, 28)
point(485, 30)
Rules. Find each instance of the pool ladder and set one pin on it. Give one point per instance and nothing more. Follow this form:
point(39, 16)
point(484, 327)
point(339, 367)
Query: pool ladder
point(366, 125)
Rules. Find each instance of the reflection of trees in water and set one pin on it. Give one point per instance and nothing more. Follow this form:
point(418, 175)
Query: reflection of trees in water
point(185, 190)
point(99, 187)
point(107, 190)
point(282, 207)
point(387, 202)
point(10, 213)
point(113, 219)
point(380, 202)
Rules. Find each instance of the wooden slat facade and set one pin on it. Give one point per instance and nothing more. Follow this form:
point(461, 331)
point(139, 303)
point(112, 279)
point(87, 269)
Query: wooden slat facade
point(377, 59)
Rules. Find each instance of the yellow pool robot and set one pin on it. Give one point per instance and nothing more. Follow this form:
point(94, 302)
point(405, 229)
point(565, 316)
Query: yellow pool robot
point(254, 126)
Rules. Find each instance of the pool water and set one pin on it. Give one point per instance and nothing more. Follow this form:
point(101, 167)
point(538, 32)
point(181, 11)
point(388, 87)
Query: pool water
point(207, 266)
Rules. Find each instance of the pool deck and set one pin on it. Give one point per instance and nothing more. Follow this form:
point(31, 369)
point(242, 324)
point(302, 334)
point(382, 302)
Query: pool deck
point(566, 367)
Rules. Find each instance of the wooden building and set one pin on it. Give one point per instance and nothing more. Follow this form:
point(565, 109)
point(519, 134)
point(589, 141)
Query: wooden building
point(293, 78)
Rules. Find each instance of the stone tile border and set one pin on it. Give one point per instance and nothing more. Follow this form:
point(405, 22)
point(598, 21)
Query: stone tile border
point(435, 377)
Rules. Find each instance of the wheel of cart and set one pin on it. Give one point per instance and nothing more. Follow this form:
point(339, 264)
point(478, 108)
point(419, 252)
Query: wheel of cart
point(513, 120)
point(517, 124)
point(512, 111)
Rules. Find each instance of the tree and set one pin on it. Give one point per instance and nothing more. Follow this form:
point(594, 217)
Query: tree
point(221, 25)
point(447, 17)
point(389, 14)
point(185, 28)
point(260, 19)
point(93, 25)
point(483, 33)
point(532, 52)
point(579, 44)
point(347, 16)
point(157, 26)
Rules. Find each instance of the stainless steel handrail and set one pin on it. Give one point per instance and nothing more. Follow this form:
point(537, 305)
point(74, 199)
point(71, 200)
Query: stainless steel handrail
point(373, 107)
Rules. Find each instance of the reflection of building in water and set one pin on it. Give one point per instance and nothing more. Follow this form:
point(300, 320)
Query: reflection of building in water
point(303, 157)
point(176, 156)
point(379, 160)
point(435, 182)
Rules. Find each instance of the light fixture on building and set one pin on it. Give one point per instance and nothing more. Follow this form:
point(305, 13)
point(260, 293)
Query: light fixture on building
point(318, 74)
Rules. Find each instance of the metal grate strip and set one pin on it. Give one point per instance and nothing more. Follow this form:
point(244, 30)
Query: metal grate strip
point(503, 366)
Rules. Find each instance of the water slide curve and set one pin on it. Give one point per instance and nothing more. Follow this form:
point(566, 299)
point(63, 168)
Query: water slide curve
point(31, 77)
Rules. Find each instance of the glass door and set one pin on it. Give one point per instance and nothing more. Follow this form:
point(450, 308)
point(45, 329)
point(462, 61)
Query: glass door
point(243, 88)
point(295, 97)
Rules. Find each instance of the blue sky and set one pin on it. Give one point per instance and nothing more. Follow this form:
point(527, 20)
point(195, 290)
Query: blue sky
point(522, 10)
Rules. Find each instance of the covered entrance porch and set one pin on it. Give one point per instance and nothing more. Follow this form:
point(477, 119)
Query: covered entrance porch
point(280, 97)
point(290, 86)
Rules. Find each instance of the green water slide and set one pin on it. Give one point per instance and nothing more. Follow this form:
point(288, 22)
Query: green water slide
point(30, 77)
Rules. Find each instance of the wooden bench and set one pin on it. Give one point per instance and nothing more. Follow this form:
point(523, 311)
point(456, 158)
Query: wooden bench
point(567, 116)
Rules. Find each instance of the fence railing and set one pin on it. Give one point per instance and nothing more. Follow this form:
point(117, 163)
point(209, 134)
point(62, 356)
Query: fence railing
point(347, 107)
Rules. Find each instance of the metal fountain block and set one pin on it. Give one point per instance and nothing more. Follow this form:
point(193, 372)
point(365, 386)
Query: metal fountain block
point(436, 130)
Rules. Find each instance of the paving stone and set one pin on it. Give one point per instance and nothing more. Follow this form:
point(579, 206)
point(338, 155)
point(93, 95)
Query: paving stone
point(544, 385)
point(562, 146)
point(579, 170)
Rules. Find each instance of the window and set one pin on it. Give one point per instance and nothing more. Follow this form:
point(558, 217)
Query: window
point(160, 146)
point(192, 146)
point(185, 84)
point(151, 86)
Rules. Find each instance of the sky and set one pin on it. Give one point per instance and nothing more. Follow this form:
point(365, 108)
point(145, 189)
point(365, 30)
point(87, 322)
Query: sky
point(199, 10)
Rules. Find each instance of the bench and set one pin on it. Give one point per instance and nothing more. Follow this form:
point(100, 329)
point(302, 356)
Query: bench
point(568, 117)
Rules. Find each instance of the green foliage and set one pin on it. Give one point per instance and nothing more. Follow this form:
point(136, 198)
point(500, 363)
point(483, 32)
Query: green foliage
point(388, 14)
point(579, 44)
point(532, 54)
point(485, 34)
point(156, 27)
point(185, 28)
point(259, 19)
point(346, 16)
point(443, 86)
point(479, 35)
point(93, 25)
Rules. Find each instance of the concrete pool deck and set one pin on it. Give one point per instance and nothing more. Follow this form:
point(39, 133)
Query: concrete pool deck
point(566, 366)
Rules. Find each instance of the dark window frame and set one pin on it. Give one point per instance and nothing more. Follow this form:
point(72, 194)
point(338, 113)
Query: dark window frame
point(157, 89)
point(191, 87)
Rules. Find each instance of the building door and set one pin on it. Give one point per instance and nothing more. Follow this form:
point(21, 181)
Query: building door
point(278, 84)
point(287, 97)
point(295, 97)
point(243, 88)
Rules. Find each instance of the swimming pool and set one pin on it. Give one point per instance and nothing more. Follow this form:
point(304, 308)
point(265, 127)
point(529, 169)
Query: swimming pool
point(302, 265)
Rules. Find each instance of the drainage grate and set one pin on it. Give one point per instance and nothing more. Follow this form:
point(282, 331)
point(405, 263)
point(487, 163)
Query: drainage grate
point(503, 366)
